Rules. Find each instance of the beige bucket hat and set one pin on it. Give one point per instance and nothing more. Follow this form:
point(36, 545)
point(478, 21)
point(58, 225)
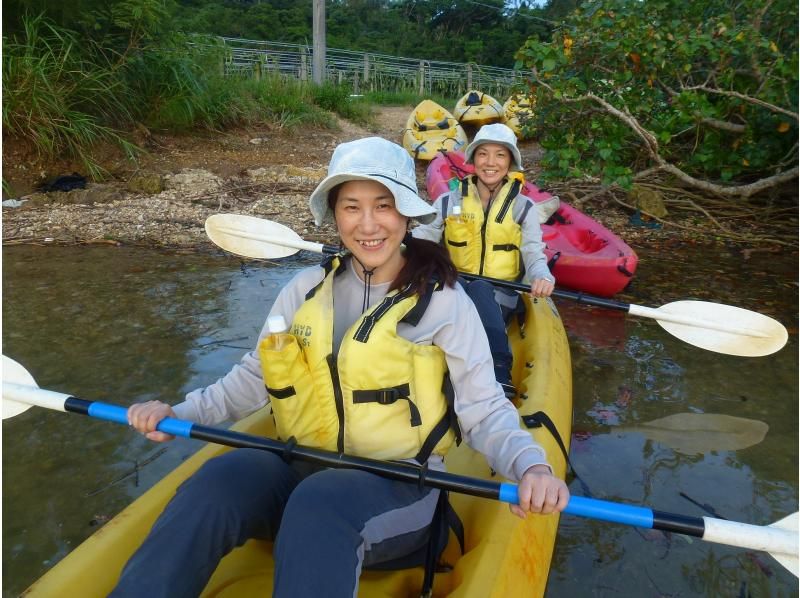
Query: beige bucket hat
point(373, 159)
point(500, 134)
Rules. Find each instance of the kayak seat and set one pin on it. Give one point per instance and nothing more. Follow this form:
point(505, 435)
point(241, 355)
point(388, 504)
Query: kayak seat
point(584, 239)
point(473, 99)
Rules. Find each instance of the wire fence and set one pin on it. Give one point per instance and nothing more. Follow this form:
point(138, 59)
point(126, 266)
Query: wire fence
point(367, 71)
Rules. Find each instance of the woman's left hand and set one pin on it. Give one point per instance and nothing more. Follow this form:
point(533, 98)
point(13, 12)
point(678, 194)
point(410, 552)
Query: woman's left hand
point(541, 287)
point(540, 492)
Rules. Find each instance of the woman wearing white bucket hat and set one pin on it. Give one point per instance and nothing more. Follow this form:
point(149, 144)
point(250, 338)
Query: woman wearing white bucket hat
point(385, 357)
point(490, 229)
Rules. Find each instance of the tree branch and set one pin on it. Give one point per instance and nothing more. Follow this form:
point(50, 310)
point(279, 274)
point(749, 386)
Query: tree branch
point(649, 139)
point(662, 165)
point(730, 191)
point(723, 125)
point(741, 96)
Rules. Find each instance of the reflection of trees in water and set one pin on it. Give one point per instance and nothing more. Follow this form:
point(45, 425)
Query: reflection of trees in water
point(119, 326)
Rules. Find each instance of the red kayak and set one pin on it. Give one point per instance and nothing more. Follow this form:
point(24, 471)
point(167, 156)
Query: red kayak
point(582, 254)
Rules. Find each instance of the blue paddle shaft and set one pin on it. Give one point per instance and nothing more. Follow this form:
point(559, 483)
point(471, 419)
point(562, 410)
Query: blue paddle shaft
point(592, 508)
point(114, 413)
point(578, 505)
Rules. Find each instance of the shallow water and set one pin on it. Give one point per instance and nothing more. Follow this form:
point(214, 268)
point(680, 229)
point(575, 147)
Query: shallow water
point(123, 325)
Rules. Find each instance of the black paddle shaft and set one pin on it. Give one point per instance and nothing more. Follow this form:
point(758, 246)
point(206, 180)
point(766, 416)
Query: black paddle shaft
point(517, 286)
point(574, 296)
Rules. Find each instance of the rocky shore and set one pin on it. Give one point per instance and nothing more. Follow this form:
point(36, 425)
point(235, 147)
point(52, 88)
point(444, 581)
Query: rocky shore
point(164, 198)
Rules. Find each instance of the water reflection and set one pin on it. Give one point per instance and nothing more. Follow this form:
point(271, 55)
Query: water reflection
point(640, 373)
point(125, 325)
point(120, 326)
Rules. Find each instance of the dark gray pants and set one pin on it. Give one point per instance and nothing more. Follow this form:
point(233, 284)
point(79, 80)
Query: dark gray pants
point(327, 524)
point(495, 318)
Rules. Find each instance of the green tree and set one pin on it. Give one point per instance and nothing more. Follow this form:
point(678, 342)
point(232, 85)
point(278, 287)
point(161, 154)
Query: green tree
point(705, 92)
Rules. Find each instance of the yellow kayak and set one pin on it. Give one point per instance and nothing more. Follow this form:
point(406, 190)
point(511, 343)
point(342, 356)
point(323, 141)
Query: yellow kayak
point(477, 109)
point(431, 129)
point(504, 555)
point(517, 111)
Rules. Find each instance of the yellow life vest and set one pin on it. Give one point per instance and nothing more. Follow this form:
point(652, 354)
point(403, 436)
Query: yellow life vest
point(486, 244)
point(382, 397)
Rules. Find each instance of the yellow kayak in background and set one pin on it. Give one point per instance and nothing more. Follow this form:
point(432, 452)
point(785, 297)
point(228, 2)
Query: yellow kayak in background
point(518, 111)
point(477, 109)
point(504, 555)
point(431, 129)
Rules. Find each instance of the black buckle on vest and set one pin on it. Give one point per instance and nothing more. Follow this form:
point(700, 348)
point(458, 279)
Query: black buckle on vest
point(386, 396)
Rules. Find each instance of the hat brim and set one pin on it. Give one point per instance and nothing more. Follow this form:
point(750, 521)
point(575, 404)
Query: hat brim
point(406, 201)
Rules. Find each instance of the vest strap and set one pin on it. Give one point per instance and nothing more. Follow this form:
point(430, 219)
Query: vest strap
point(540, 418)
point(389, 396)
point(281, 393)
point(525, 209)
point(448, 422)
point(505, 247)
point(413, 317)
point(444, 517)
point(369, 321)
point(327, 265)
point(512, 193)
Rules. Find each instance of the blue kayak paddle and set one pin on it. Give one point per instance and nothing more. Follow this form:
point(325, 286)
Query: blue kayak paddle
point(780, 539)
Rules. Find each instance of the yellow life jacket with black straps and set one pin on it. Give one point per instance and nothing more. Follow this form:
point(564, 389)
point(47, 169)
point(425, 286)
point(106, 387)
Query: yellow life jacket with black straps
point(382, 396)
point(486, 243)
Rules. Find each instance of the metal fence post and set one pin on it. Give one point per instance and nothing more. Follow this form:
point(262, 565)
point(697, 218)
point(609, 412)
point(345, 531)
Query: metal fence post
point(369, 72)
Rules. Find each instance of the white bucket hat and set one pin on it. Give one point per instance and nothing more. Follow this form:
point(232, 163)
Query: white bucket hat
point(373, 159)
point(500, 134)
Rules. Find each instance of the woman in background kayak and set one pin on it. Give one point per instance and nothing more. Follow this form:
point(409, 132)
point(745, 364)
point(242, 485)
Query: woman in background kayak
point(384, 357)
point(494, 232)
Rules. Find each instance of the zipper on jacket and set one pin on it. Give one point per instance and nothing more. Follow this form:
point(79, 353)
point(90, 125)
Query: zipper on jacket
point(339, 400)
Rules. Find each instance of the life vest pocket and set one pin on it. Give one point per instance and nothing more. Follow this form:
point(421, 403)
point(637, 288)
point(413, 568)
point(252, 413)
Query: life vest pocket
point(288, 380)
point(462, 238)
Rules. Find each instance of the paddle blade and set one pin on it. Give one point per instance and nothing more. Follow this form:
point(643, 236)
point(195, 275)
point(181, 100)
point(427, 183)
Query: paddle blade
point(697, 433)
point(14, 372)
point(790, 561)
point(724, 328)
point(251, 237)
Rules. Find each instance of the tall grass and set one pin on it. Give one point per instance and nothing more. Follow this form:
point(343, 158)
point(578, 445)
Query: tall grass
point(63, 96)
point(57, 97)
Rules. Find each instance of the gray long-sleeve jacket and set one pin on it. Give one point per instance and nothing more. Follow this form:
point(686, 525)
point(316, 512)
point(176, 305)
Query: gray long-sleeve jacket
point(489, 422)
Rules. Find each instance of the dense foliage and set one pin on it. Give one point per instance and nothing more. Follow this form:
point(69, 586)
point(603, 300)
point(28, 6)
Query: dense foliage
point(706, 92)
point(482, 31)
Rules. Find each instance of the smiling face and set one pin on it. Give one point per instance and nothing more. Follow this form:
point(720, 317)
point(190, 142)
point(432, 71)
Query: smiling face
point(492, 162)
point(371, 227)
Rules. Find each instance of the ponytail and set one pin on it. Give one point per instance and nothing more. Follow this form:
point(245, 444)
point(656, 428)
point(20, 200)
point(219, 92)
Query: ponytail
point(425, 261)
